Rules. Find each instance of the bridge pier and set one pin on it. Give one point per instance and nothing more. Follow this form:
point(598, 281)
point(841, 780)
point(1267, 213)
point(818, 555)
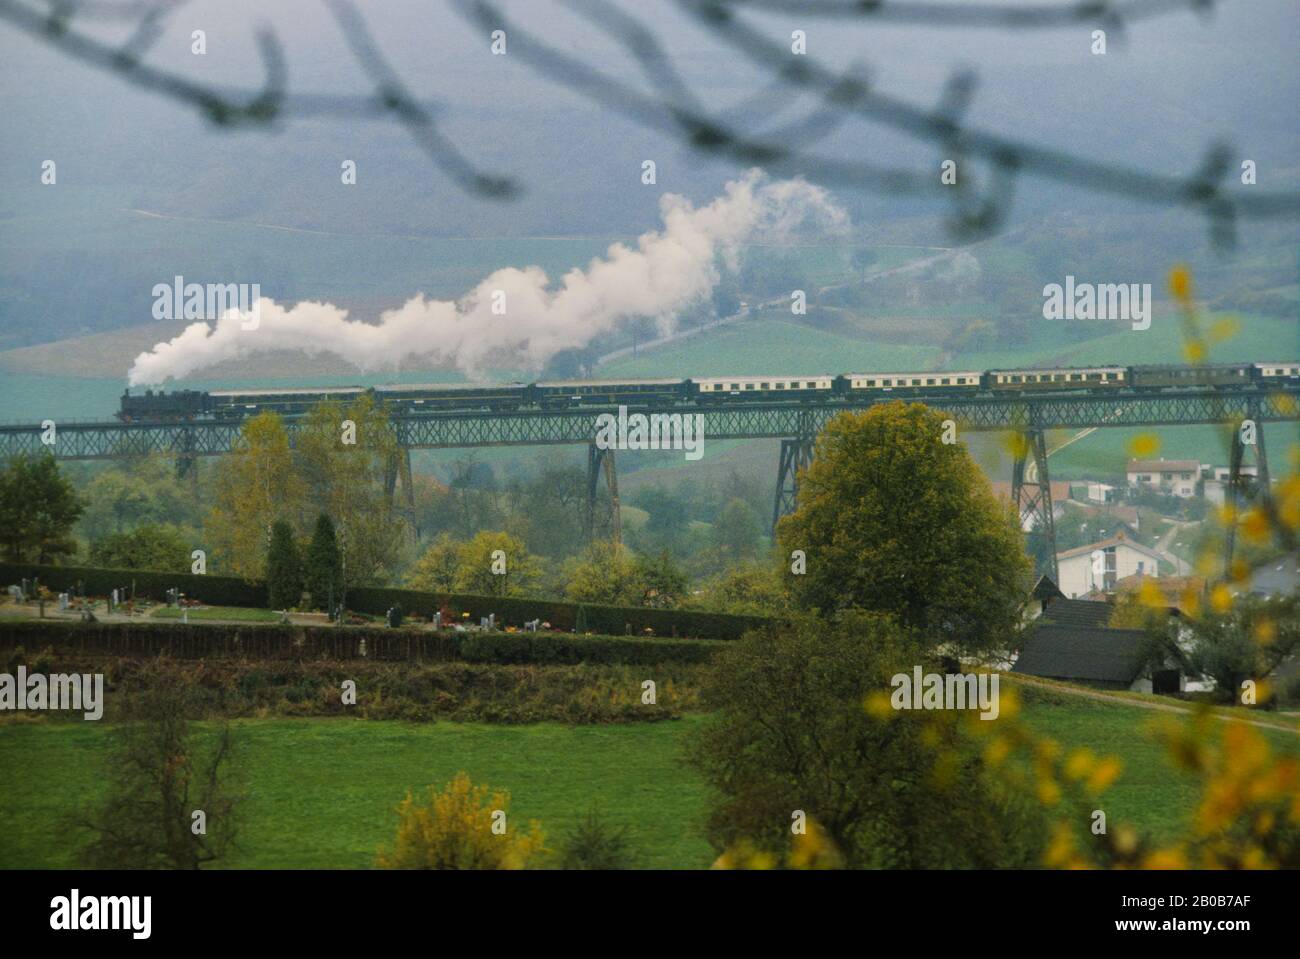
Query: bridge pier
point(399, 468)
point(1239, 490)
point(187, 462)
point(796, 454)
point(1031, 491)
point(602, 461)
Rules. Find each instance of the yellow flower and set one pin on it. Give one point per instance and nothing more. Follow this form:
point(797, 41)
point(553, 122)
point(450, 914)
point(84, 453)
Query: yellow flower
point(877, 705)
point(1221, 598)
point(1060, 851)
point(1180, 283)
point(1265, 632)
point(1224, 329)
point(1144, 445)
point(1049, 794)
point(1126, 840)
point(1008, 704)
point(1195, 351)
point(1165, 859)
point(1105, 774)
point(1255, 526)
point(1079, 763)
point(1150, 595)
point(997, 751)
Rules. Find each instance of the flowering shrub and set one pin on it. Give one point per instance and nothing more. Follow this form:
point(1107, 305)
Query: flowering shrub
point(455, 830)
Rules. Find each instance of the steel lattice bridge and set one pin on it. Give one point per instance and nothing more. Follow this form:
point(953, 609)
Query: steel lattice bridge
point(796, 424)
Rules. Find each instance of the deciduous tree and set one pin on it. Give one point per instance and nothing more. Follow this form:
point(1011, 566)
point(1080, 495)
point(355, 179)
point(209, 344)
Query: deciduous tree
point(345, 455)
point(256, 484)
point(895, 520)
point(151, 546)
point(38, 508)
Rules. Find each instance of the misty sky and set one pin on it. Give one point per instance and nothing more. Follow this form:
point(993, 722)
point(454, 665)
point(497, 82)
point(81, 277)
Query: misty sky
point(1158, 98)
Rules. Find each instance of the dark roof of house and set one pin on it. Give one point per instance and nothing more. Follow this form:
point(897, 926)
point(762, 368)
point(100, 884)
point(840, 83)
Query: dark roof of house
point(1083, 653)
point(1046, 588)
point(1077, 612)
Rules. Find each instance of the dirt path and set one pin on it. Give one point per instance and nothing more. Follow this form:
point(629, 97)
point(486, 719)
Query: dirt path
point(1154, 706)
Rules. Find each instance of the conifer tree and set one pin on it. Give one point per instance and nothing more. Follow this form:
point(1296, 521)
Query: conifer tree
point(283, 568)
point(324, 567)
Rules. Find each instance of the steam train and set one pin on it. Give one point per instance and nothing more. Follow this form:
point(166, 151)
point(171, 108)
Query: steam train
point(180, 405)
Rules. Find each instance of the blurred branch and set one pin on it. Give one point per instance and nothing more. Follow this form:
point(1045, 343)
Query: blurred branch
point(671, 107)
point(1103, 13)
point(231, 108)
point(409, 113)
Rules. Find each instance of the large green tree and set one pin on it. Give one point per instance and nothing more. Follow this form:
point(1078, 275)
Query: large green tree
point(891, 518)
point(38, 509)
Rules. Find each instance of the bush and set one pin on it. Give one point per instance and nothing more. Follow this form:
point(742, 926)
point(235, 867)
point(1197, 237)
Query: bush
point(145, 584)
point(894, 790)
point(455, 831)
point(158, 778)
point(594, 844)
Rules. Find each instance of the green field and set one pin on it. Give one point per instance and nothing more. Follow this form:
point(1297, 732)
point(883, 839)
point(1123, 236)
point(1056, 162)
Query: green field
point(321, 792)
point(769, 345)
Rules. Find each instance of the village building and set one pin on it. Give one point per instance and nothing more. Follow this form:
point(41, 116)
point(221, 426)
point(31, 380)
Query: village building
point(1097, 656)
point(1171, 477)
point(1080, 573)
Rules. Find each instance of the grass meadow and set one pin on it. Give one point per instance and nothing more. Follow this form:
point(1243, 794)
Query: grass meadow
point(320, 793)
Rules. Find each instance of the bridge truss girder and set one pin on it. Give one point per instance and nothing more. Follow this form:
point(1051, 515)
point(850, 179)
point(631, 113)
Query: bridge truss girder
point(110, 440)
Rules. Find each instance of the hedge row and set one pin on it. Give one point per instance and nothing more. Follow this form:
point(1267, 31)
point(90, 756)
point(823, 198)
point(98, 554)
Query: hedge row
point(146, 584)
point(509, 611)
point(305, 643)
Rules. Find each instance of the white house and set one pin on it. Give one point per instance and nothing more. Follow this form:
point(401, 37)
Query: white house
point(1171, 477)
point(1216, 486)
point(1080, 572)
point(1101, 493)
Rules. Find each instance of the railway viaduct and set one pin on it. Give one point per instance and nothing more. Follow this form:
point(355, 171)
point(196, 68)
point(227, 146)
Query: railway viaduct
point(795, 424)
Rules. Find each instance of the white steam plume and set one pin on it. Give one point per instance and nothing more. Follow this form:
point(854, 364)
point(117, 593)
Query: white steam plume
point(669, 270)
